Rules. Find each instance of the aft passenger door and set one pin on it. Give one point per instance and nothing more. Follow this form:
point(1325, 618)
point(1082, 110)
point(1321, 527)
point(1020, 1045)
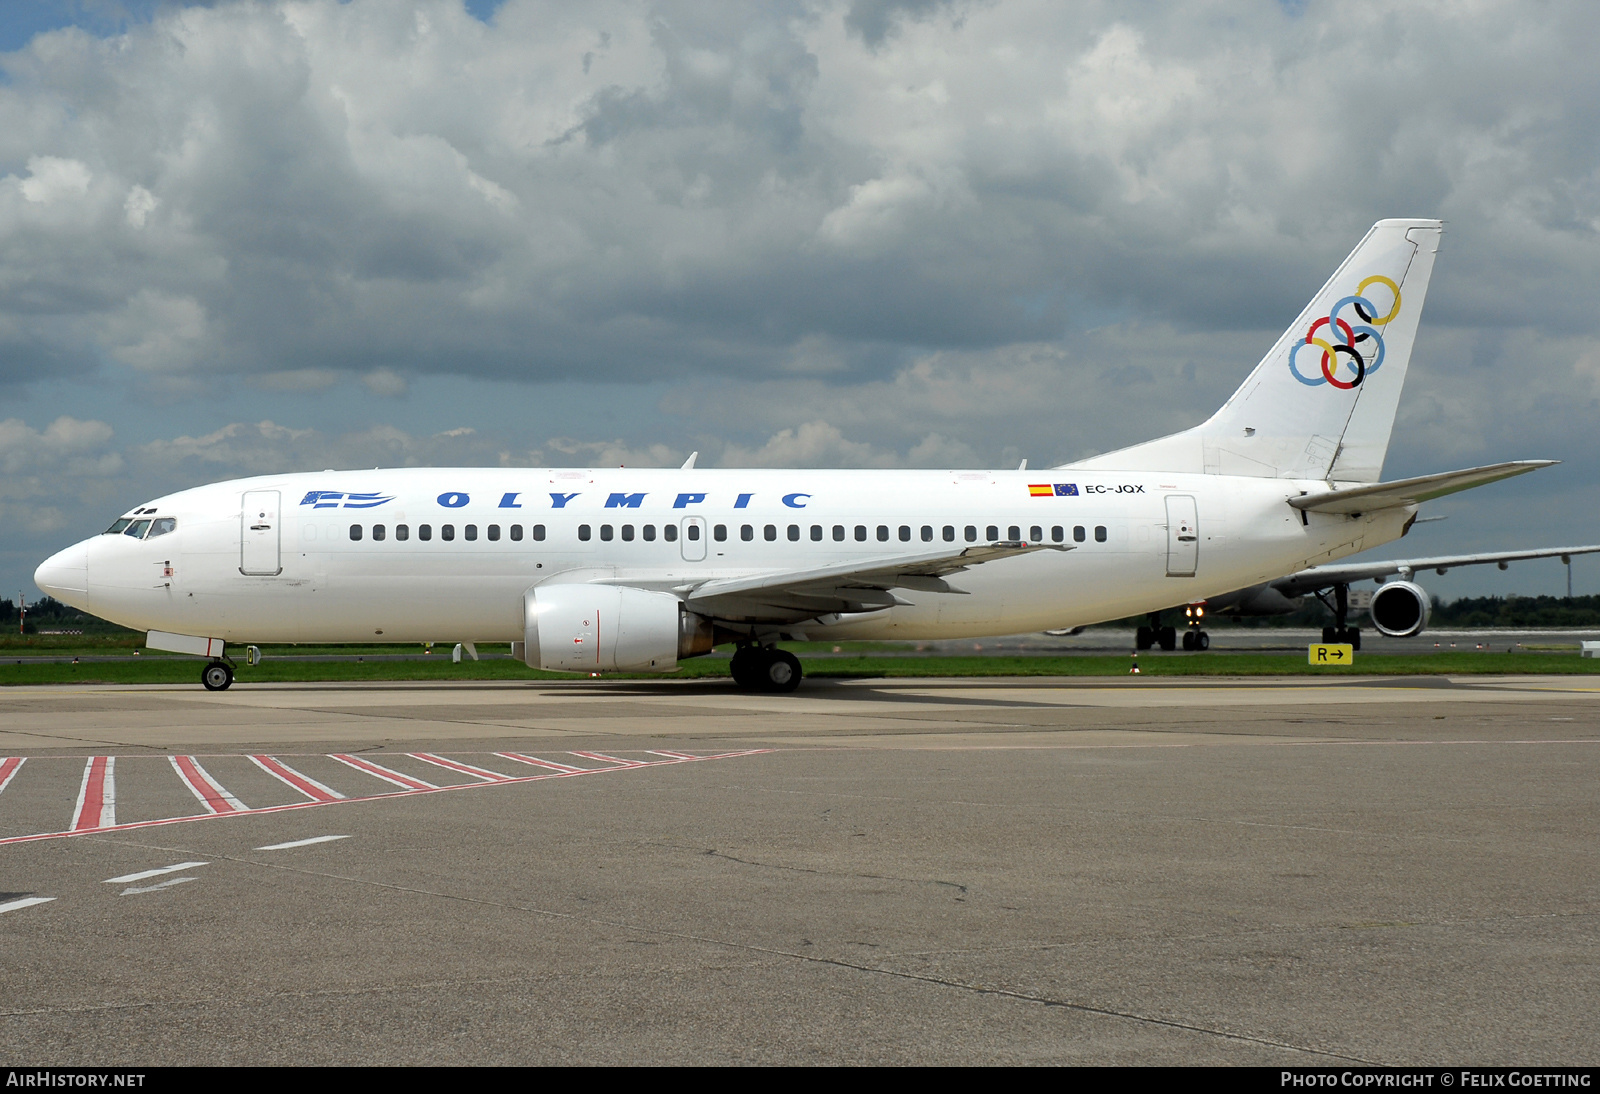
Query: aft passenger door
point(260, 538)
point(692, 539)
point(1183, 536)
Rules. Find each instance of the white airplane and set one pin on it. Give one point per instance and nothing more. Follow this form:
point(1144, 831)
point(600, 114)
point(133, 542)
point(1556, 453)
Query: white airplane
point(1399, 609)
point(630, 570)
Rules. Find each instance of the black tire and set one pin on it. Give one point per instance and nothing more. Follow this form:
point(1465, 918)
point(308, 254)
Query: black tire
point(1354, 639)
point(1330, 635)
point(1188, 640)
point(1143, 638)
point(1202, 640)
point(217, 676)
point(745, 665)
point(1169, 638)
point(780, 671)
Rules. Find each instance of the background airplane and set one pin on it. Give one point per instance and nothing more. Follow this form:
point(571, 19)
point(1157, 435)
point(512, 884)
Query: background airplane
point(1398, 609)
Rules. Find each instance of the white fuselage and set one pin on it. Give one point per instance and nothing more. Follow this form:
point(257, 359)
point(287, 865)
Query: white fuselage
point(290, 569)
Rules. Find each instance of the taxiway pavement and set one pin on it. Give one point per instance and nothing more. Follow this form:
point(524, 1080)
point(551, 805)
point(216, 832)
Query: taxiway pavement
point(907, 871)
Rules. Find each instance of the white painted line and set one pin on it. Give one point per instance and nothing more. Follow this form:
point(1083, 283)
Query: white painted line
point(672, 755)
point(9, 766)
point(300, 843)
point(142, 874)
point(387, 774)
point(295, 780)
point(157, 887)
point(455, 765)
point(25, 902)
point(200, 783)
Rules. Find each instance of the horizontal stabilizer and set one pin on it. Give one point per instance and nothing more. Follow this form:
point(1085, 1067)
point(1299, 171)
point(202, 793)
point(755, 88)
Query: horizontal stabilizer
point(1389, 495)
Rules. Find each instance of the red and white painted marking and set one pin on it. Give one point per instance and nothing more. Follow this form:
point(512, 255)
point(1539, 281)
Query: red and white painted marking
point(97, 796)
point(95, 809)
point(203, 786)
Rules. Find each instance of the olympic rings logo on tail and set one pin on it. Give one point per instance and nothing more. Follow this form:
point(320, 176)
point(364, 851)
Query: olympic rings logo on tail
point(1343, 337)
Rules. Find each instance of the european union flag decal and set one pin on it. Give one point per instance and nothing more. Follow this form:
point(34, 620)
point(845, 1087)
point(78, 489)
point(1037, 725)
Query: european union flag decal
point(1066, 489)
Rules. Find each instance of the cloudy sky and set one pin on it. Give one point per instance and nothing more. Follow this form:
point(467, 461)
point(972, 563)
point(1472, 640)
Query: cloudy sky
point(247, 237)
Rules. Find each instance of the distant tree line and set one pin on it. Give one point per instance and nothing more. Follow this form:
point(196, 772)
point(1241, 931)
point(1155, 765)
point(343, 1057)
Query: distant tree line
point(1517, 611)
point(48, 613)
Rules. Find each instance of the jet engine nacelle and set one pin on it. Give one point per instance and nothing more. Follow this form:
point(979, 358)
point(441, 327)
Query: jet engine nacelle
point(1400, 609)
point(606, 628)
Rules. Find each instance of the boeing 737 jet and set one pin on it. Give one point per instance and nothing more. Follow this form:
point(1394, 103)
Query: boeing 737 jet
point(625, 570)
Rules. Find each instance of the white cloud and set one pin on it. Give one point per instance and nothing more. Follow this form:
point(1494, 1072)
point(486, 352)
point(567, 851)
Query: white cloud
point(51, 178)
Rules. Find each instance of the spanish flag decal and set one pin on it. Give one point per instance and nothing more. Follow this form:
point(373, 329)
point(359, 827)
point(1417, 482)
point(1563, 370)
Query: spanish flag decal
point(1041, 490)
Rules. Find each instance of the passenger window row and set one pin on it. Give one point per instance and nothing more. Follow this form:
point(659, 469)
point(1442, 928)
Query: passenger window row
point(747, 532)
point(446, 531)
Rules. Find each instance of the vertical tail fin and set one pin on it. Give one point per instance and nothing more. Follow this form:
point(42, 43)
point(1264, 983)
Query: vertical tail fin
point(1321, 403)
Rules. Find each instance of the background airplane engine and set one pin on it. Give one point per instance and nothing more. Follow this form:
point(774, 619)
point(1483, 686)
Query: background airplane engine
point(1400, 609)
point(607, 628)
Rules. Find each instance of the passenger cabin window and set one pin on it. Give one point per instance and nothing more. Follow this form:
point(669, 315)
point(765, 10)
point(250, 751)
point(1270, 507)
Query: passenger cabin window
point(927, 533)
point(970, 533)
point(607, 532)
point(494, 531)
point(472, 531)
point(137, 529)
point(538, 532)
point(1013, 532)
point(627, 533)
point(424, 532)
point(1099, 533)
point(1078, 534)
point(516, 532)
point(161, 526)
point(583, 532)
point(770, 532)
point(720, 533)
point(816, 532)
point(861, 533)
point(883, 533)
point(1036, 534)
point(117, 525)
point(949, 533)
point(649, 533)
point(1057, 534)
point(355, 531)
point(905, 533)
point(692, 532)
point(669, 532)
point(746, 533)
point(402, 532)
point(378, 531)
point(991, 533)
point(794, 533)
point(447, 531)
point(838, 533)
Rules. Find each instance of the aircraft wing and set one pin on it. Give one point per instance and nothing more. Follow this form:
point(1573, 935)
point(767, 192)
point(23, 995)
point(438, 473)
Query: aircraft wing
point(788, 596)
point(1388, 495)
point(1320, 577)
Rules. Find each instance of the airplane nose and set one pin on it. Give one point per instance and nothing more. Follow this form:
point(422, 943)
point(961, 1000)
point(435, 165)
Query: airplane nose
point(65, 572)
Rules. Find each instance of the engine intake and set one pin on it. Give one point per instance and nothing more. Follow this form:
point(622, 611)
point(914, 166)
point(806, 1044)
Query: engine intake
point(606, 628)
point(1400, 609)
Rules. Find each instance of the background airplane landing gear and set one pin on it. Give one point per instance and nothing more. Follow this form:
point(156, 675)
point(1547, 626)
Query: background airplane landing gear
point(1167, 638)
point(217, 676)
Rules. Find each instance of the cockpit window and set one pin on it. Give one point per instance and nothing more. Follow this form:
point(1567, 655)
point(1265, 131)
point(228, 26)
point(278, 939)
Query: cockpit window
point(161, 526)
point(118, 526)
point(137, 529)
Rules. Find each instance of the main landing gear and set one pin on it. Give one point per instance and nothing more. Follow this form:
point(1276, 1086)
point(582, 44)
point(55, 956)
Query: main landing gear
point(1340, 632)
point(762, 668)
point(1156, 635)
point(217, 676)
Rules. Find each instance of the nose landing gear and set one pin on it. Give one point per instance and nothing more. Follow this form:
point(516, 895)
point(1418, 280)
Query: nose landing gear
point(217, 676)
point(762, 668)
point(1195, 638)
